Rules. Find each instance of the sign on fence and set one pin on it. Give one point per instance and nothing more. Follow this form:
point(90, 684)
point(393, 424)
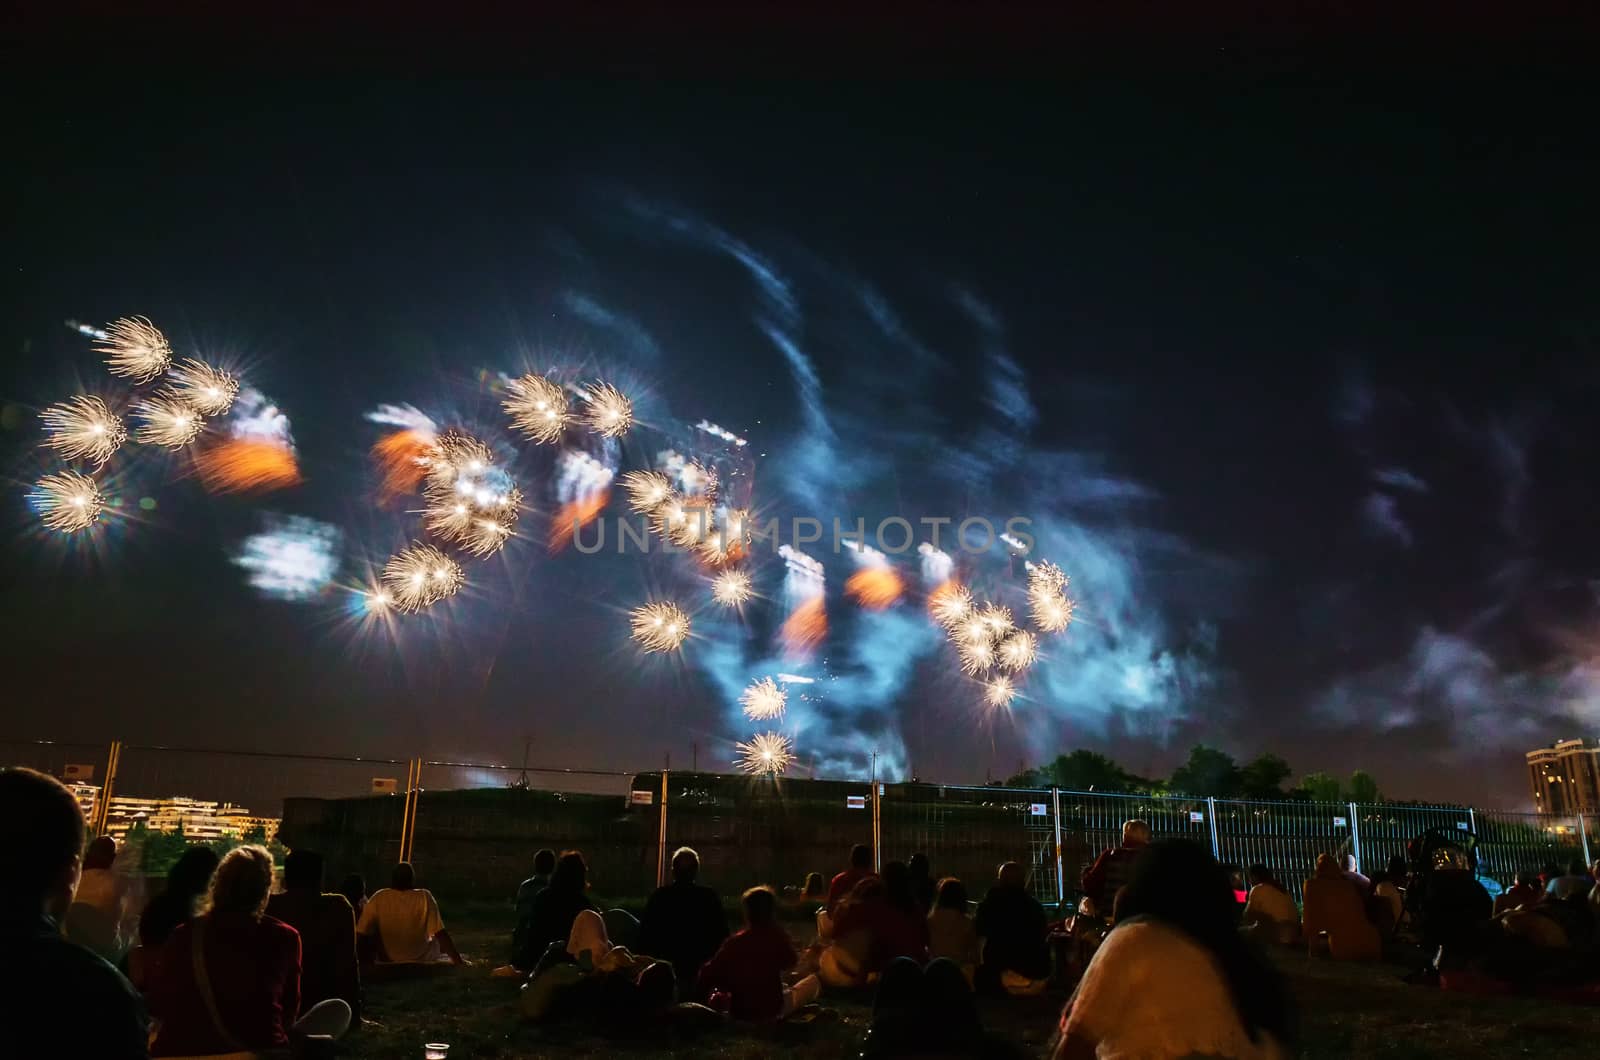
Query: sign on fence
point(1196, 817)
point(1340, 822)
point(1464, 826)
point(855, 802)
point(79, 772)
point(1038, 809)
point(385, 786)
point(641, 798)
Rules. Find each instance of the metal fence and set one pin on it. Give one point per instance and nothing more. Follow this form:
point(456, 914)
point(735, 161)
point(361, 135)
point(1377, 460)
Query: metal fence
point(471, 827)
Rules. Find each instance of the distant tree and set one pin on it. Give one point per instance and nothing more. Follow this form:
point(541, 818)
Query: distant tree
point(1084, 770)
point(1363, 788)
point(1318, 787)
point(1262, 777)
point(1207, 772)
point(256, 835)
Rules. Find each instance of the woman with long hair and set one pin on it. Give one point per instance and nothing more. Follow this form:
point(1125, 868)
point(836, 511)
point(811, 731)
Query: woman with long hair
point(1175, 978)
point(229, 980)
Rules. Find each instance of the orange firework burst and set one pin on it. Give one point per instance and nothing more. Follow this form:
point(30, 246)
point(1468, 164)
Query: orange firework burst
point(574, 514)
point(401, 458)
point(805, 628)
point(874, 588)
point(247, 465)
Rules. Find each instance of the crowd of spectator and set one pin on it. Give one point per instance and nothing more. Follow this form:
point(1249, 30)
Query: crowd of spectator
point(1168, 946)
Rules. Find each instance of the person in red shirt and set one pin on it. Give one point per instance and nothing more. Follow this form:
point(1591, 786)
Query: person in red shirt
point(749, 966)
point(882, 921)
point(844, 883)
point(229, 981)
point(1113, 869)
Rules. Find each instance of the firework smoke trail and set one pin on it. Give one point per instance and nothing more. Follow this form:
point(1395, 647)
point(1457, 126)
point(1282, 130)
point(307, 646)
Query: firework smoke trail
point(766, 752)
point(167, 423)
point(609, 411)
point(937, 566)
point(660, 627)
point(538, 408)
point(407, 417)
point(83, 428)
point(86, 330)
point(67, 502)
point(764, 700)
point(573, 516)
point(294, 558)
point(244, 465)
point(135, 349)
point(731, 588)
point(420, 576)
point(209, 391)
point(402, 459)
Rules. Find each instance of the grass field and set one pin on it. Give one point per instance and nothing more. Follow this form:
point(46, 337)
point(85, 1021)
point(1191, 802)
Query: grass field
point(1346, 1011)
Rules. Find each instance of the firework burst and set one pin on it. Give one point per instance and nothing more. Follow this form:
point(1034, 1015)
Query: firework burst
point(1018, 651)
point(135, 349)
point(731, 588)
point(950, 603)
point(209, 391)
point(767, 752)
point(67, 502)
point(83, 429)
point(1048, 601)
point(764, 700)
point(977, 657)
point(996, 618)
point(421, 576)
point(660, 627)
point(609, 412)
point(999, 692)
point(166, 422)
point(245, 465)
point(538, 408)
point(647, 490)
point(456, 457)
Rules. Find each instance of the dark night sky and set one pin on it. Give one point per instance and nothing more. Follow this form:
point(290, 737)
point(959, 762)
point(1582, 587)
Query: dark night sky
point(1308, 319)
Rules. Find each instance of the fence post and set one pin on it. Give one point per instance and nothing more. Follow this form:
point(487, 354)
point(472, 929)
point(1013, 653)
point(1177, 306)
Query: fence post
point(661, 839)
point(1061, 885)
point(102, 809)
point(1211, 815)
point(1472, 820)
point(1355, 835)
point(1583, 834)
point(408, 818)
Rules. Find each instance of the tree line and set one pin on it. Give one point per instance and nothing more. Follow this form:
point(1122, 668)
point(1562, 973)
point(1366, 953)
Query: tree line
point(1207, 772)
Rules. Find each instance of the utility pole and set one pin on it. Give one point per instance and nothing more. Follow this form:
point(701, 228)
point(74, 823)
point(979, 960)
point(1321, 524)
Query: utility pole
point(694, 759)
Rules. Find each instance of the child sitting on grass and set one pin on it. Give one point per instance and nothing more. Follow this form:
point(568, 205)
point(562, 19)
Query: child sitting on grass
point(749, 966)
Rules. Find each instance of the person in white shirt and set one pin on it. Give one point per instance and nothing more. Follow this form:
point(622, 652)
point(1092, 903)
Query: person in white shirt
point(1270, 911)
point(405, 918)
point(1175, 978)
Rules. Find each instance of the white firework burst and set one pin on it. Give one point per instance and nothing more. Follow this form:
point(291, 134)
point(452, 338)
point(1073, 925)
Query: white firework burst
point(999, 692)
point(996, 618)
point(647, 490)
point(1018, 651)
point(166, 422)
point(67, 502)
point(951, 604)
point(764, 700)
point(767, 752)
point(83, 428)
point(660, 627)
point(209, 391)
point(1048, 602)
point(977, 657)
point(609, 410)
point(731, 588)
point(135, 349)
point(537, 407)
point(421, 576)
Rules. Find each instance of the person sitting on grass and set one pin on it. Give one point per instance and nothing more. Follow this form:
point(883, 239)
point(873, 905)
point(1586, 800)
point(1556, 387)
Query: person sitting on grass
point(1114, 867)
point(405, 920)
point(1175, 978)
point(327, 927)
point(523, 955)
point(923, 886)
point(1524, 891)
point(1012, 924)
point(1388, 892)
point(951, 933)
point(1336, 915)
point(558, 905)
point(1575, 881)
point(354, 889)
point(683, 922)
point(95, 917)
point(1269, 911)
point(844, 884)
point(60, 999)
point(750, 965)
point(187, 883)
point(924, 1012)
point(590, 974)
point(229, 981)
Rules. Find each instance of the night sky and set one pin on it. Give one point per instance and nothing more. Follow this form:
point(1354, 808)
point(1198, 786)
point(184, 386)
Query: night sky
point(1287, 341)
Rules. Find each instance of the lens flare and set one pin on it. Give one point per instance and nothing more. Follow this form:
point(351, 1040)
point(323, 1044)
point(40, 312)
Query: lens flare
point(83, 428)
point(731, 588)
point(135, 349)
point(950, 603)
point(609, 411)
point(67, 502)
point(1048, 601)
point(767, 752)
point(209, 391)
point(403, 458)
point(166, 422)
point(420, 576)
point(1018, 651)
point(805, 628)
point(660, 626)
point(764, 700)
point(874, 588)
point(999, 692)
point(647, 490)
point(247, 465)
point(537, 407)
